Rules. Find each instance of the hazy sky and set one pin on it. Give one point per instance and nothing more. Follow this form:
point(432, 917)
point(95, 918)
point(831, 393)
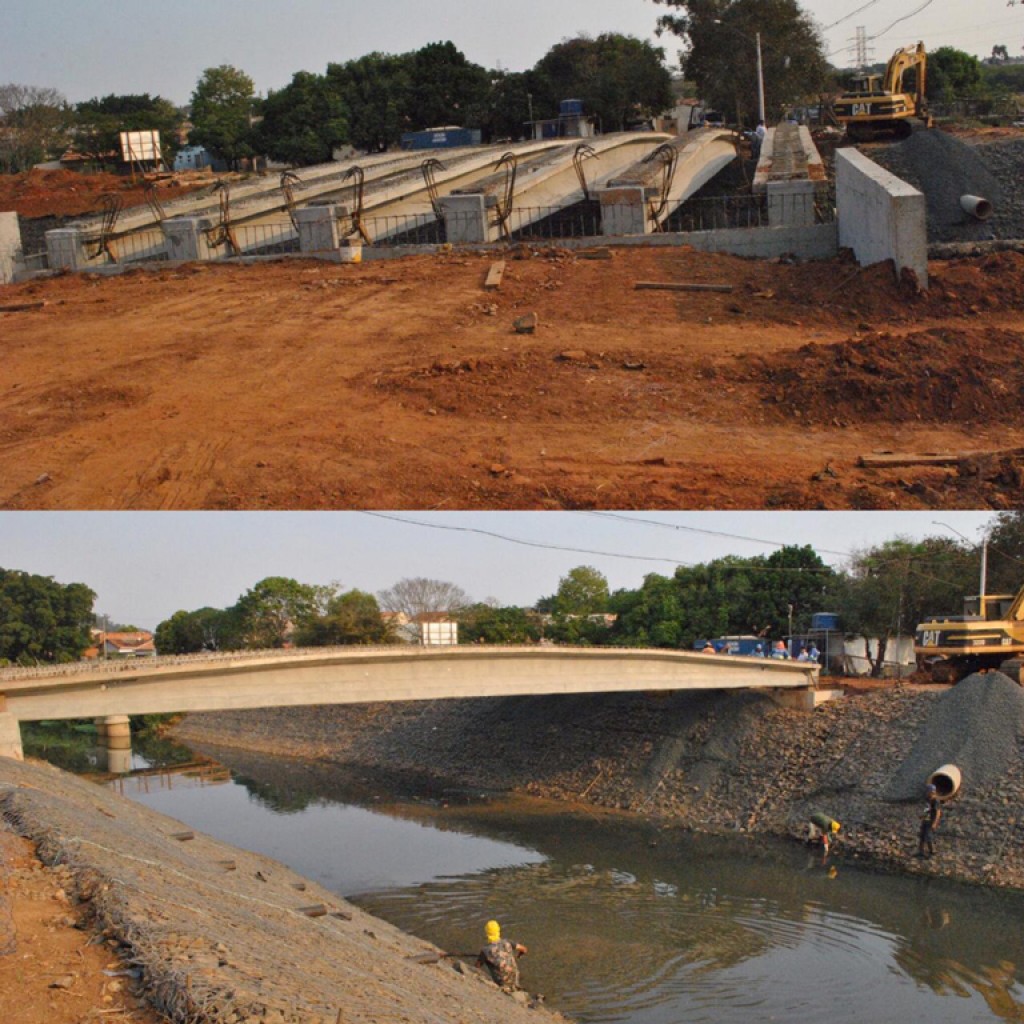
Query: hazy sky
point(87, 49)
point(145, 566)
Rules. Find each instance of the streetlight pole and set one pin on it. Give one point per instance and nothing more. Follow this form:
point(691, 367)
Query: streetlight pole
point(983, 582)
point(760, 80)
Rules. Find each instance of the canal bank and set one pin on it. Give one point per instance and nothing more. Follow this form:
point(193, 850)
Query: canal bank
point(710, 762)
point(215, 933)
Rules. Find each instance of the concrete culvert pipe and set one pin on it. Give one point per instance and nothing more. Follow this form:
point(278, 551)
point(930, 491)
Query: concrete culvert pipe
point(980, 209)
point(946, 781)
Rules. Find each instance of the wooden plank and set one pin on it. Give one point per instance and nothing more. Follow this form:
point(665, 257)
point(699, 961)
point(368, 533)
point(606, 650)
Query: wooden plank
point(883, 460)
point(21, 307)
point(680, 286)
point(494, 275)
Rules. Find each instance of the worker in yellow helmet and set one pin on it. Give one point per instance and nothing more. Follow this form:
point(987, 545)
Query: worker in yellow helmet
point(822, 829)
point(501, 957)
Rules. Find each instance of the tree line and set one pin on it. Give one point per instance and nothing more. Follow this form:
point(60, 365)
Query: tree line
point(366, 103)
point(882, 593)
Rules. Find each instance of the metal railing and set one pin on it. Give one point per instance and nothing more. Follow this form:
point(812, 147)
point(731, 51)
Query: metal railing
point(266, 239)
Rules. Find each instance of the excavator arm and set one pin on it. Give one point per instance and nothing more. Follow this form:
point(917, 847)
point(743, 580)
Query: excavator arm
point(902, 61)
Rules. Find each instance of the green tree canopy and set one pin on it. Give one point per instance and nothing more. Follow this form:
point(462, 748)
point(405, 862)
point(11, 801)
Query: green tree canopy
point(1006, 553)
point(582, 591)
point(483, 623)
point(621, 80)
point(42, 620)
point(268, 613)
point(719, 52)
point(353, 617)
point(207, 629)
point(304, 121)
point(446, 88)
point(375, 91)
point(99, 122)
point(953, 74)
point(890, 588)
point(221, 113)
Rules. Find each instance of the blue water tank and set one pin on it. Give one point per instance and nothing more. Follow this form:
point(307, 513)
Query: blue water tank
point(570, 108)
point(824, 620)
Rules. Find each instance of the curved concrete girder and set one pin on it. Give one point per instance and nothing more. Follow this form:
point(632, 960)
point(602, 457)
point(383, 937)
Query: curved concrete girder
point(353, 676)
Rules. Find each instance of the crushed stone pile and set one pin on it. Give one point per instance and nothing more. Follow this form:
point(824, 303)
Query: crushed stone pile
point(945, 168)
point(228, 936)
point(977, 726)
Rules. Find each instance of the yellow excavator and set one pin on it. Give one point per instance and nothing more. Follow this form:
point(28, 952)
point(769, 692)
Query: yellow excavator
point(989, 635)
point(882, 104)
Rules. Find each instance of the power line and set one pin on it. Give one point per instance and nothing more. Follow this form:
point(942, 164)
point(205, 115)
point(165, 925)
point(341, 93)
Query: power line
point(847, 17)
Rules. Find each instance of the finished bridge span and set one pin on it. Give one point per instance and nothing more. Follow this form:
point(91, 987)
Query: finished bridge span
point(357, 675)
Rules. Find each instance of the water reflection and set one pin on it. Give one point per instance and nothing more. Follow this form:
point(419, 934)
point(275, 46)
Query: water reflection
point(627, 922)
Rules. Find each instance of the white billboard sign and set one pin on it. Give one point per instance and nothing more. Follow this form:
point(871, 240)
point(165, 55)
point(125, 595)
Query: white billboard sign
point(139, 147)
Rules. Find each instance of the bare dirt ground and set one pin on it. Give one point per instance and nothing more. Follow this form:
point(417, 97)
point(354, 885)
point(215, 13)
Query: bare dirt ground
point(50, 970)
point(402, 384)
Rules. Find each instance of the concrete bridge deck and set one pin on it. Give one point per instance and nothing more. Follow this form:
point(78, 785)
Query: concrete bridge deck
point(354, 675)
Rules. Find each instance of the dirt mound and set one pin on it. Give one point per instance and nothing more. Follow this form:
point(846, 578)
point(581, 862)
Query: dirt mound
point(977, 726)
point(939, 374)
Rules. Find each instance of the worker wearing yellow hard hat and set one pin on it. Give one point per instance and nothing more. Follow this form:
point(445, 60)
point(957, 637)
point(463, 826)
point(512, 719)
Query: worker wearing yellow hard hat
point(501, 957)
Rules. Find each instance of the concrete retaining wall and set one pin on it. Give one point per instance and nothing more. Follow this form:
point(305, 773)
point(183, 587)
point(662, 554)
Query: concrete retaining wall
point(10, 247)
point(880, 216)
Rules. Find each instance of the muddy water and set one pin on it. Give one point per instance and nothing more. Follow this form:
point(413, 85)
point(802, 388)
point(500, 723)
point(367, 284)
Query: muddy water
point(625, 922)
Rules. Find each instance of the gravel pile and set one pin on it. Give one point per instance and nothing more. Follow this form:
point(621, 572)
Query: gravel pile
point(228, 937)
point(977, 726)
point(944, 169)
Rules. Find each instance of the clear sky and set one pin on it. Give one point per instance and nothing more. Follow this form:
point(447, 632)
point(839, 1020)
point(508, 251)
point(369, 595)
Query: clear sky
point(87, 49)
point(145, 566)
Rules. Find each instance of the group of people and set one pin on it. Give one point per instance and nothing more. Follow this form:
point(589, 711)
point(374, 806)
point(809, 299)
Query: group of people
point(500, 957)
point(778, 651)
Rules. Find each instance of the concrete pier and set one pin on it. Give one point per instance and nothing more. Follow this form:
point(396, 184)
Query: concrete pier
point(65, 249)
point(318, 228)
point(187, 239)
point(11, 258)
point(10, 735)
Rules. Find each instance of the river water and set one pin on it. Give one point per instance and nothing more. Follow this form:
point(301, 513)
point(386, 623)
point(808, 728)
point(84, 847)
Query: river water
point(625, 922)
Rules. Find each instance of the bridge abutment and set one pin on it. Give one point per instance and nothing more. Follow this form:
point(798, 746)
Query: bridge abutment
point(10, 735)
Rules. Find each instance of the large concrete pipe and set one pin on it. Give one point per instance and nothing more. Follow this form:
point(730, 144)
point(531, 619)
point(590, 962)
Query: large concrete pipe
point(978, 208)
point(946, 781)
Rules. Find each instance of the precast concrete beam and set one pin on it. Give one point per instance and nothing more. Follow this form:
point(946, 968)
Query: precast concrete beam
point(355, 677)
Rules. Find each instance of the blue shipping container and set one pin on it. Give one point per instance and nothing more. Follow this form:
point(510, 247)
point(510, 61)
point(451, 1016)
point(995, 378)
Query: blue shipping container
point(568, 108)
point(441, 138)
point(824, 620)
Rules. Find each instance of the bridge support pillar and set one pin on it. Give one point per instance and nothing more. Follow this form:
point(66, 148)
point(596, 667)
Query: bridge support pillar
point(115, 736)
point(790, 204)
point(624, 210)
point(10, 735)
point(806, 698)
point(65, 249)
point(465, 218)
point(187, 239)
point(318, 228)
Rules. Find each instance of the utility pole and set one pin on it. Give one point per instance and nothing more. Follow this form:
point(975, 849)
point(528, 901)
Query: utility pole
point(760, 80)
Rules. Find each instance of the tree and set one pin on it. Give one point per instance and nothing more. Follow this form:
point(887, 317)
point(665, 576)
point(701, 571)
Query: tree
point(42, 620)
point(304, 121)
point(621, 80)
point(375, 91)
point(1000, 54)
point(417, 595)
point(350, 618)
point(445, 87)
point(582, 591)
point(33, 126)
point(207, 629)
point(890, 588)
point(1006, 553)
point(222, 107)
point(485, 624)
point(268, 613)
point(953, 74)
point(99, 122)
point(719, 52)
